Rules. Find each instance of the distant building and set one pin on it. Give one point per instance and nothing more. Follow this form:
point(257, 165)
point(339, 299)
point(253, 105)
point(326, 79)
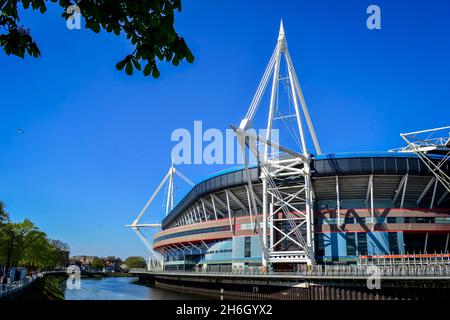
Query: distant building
point(113, 265)
point(84, 262)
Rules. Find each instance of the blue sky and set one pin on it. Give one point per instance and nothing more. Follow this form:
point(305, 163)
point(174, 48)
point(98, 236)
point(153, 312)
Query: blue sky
point(96, 142)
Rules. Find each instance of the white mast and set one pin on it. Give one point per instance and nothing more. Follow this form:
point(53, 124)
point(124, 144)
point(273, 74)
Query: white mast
point(156, 258)
point(278, 200)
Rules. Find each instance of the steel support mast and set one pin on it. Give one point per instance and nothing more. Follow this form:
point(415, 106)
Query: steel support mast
point(287, 219)
point(156, 260)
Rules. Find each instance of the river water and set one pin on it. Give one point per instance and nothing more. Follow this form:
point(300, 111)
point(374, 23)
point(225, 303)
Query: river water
point(122, 288)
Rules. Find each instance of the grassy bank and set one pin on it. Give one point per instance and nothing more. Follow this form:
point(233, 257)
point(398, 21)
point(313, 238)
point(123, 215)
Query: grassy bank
point(51, 287)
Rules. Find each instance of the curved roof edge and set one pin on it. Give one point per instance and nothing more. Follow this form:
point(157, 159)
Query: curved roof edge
point(199, 187)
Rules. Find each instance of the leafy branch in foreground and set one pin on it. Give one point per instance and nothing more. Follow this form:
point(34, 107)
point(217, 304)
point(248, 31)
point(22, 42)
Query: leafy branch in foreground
point(149, 26)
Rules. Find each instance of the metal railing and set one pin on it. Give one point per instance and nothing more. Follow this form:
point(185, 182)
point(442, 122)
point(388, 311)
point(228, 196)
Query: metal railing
point(424, 271)
point(10, 288)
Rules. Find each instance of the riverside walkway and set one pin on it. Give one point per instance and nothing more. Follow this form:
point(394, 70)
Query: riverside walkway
point(326, 282)
point(416, 271)
point(13, 288)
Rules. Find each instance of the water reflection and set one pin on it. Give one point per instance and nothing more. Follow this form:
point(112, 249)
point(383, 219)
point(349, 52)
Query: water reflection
point(122, 288)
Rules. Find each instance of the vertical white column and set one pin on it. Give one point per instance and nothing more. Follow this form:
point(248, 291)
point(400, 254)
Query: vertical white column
point(266, 149)
point(229, 210)
point(338, 203)
point(214, 207)
point(371, 204)
point(264, 221)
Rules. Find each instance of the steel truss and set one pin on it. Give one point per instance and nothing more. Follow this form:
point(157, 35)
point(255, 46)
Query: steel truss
point(430, 142)
point(156, 260)
point(287, 233)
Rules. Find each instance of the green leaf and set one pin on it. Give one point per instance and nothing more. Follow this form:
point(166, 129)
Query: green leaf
point(155, 72)
point(148, 69)
point(129, 68)
point(120, 65)
point(148, 26)
point(136, 63)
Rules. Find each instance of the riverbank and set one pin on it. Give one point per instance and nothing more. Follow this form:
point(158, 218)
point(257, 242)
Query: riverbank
point(49, 287)
point(283, 286)
point(53, 286)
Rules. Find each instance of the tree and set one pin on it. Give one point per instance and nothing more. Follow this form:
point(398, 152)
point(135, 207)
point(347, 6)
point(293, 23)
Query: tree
point(135, 262)
point(23, 244)
point(61, 252)
point(30, 246)
point(4, 217)
point(98, 263)
point(149, 26)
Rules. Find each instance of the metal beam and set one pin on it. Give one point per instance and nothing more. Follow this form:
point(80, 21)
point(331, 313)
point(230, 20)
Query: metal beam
point(136, 221)
point(434, 195)
point(399, 188)
point(233, 196)
point(267, 142)
point(442, 198)
point(145, 225)
point(182, 176)
point(338, 203)
point(214, 206)
point(369, 189)
point(302, 102)
point(404, 191)
point(249, 205)
point(216, 198)
point(229, 211)
point(425, 190)
point(204, 209)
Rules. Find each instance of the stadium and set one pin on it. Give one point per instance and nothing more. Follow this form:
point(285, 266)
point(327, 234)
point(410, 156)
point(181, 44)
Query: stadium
point(385, 204)
point(305, 208)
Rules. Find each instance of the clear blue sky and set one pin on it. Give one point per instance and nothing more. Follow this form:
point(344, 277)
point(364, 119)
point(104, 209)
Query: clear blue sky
point(96, 142)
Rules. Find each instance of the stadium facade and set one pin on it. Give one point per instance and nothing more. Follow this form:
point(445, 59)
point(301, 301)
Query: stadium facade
point(211, 227)
point(301, 208)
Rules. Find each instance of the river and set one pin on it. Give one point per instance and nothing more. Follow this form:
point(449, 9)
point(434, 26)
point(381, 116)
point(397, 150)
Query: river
point(122, 288)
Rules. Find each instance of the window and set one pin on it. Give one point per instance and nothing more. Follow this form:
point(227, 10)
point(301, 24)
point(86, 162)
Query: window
point(351, 244)
point(362, 243)
point(425, 220)
point(391, 220)
point(247, 247)
point(409, 220)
